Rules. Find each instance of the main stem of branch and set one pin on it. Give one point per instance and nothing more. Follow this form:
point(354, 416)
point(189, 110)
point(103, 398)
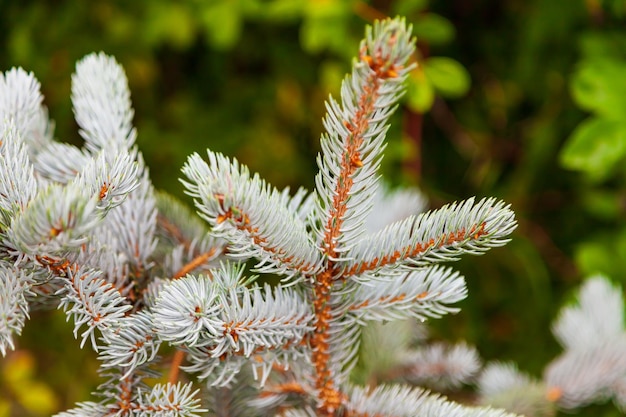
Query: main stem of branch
point(329, 396)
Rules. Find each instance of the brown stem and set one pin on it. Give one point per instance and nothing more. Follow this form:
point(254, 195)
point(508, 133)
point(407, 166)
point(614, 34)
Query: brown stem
point(194, 263)
point(351, 160)
point(126, 395)
point(330, 396)
point(177, 361)
point(453, 238)
point(367, 12)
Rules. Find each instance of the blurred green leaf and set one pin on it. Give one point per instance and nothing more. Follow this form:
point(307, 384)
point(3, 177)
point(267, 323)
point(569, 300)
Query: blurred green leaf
point(319, 34)
point(331, 74)
point(598, 86)
point(325, 26)
point(170, 23)
point(121, 27)
point(448, 76)
point(603, 204)
point(19, 369)
point(433, 29)
point(617, 7)
point(604, 254)
point(602, 45)
point(420, 93)
point(222, 23)
point(595, 147)
point(278, 10)
point(37, 398)
point(326, 8)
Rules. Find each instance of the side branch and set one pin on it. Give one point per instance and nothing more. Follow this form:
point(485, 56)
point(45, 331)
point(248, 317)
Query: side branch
point(89, 299)
point(256, 219)
point(177, 361)
point(446, 242)
point(437, 236)
point(422, 294)
point(284, 388)
point(196, 262)
point(281, 255)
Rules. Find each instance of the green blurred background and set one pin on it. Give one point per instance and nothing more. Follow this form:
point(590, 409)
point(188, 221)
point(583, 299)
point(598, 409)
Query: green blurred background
point(519, 99)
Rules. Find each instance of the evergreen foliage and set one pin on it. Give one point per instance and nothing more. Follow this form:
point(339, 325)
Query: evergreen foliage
point(84, 230)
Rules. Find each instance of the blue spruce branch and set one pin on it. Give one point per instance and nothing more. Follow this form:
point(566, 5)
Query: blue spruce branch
point(134, 270)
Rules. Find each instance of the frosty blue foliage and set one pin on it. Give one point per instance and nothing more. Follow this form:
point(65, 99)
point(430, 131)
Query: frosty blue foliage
point(56, 221)
point(134, 269)
point(117, 175)
point(350, 277)
point(21, 104)
point(14, 286)
point(230, 200)
point(218, 313)
point(92, 302)
point(441, 367)
point(403, 401)
point(132, 343)
point(436, 236)
point(422, 294)
point(134, 224)
point(51, 168)
point(17, 179)
point(598, 317)
point(162, 401)
point(353, 143)
point(592, 367)
point(102, 106)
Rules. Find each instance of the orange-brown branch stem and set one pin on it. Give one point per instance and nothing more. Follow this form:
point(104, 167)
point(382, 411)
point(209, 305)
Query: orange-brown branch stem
point(418, 249)
point(195, 263)
point(242, 221)
point(331, 398)
point(291, 387)
point(177, 361)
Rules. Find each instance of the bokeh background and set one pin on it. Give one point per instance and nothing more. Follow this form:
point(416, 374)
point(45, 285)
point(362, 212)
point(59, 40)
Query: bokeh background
point(519, 99)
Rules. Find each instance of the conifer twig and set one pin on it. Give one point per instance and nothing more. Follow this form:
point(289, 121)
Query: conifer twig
point(93, 229)
point(177, 360)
